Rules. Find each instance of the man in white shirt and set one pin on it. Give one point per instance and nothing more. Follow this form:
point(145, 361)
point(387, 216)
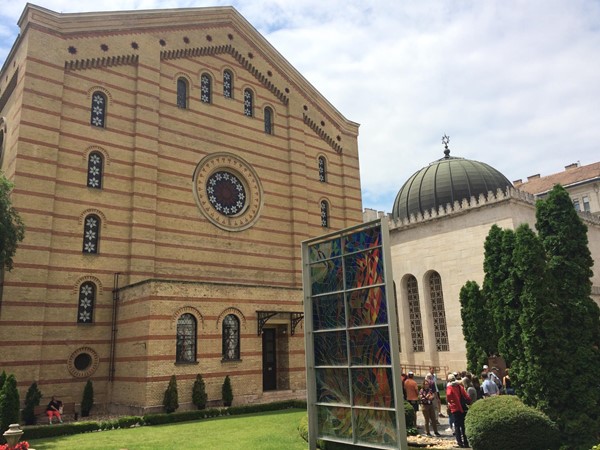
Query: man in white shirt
point(489, 387)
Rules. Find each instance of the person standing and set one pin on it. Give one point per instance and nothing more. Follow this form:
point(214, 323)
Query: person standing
point(426, 398)
point(468, 385)
point(508, 389)
point(53, 409)
point(437, 402)
point(412, 391)
point(489, 388)
point(457, 399)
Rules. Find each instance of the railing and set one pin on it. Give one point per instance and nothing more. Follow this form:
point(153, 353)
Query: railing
point(422, 370)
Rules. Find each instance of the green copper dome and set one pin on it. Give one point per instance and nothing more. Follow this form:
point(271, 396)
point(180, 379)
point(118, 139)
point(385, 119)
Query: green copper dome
point(445, 181)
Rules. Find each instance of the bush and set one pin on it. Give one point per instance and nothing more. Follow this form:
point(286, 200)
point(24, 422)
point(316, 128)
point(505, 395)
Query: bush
point(505, 422)
point(227, 392)
point(88, 399)
point(67, 429)
point(410, 416)
point(199, 396)
point(171, 398)
point(9, 404)
point(32, 399)
point(129, 421)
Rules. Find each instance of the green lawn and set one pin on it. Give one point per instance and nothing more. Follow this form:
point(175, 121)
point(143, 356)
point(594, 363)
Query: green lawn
point(274, 430)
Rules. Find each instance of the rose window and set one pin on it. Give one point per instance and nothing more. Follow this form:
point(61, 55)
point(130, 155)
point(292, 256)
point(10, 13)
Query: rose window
point(226, 193)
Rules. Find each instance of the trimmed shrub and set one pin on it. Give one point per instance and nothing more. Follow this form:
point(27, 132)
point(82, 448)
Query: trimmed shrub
point(10, 408)
point(199, 396)
point(171, 398)
point(410, 416)
point(88, 399)
point(67, 429)
point(505, 422)
point(227, 392)
point(32, 399)
point(129, 421)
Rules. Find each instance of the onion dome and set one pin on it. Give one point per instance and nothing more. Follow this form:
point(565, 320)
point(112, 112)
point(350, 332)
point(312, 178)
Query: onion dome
point(444, 181)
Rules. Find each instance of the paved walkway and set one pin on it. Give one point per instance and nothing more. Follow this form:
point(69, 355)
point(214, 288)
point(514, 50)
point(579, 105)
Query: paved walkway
point(446, 440)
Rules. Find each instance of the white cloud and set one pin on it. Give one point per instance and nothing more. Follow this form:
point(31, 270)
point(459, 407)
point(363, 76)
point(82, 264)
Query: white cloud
point(514, 84)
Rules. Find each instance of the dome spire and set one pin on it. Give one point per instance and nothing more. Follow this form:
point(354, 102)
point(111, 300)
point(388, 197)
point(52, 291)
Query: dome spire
point(446, 141)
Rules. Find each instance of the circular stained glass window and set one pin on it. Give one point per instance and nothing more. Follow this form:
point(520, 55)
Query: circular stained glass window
point(82, 361)
point(226, 193)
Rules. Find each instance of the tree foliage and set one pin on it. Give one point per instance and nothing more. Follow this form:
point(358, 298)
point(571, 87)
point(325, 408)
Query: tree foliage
point(32, 399)
point(171, 398)
point(199, 396)
point(227, 391)
point(474, 324)
point(537, 291)
point(9, 403)
point(12, 229)
point(87, 401)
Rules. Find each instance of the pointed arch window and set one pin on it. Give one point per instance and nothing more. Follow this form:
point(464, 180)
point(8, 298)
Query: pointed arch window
point(414, 313)
point(182, 93)
point(91, 233)
point(205, 88)
point(322, 169)
point(231, 338)
point(95, 170)
point(268, 120)
point(439, 314)
point(227, 84)
point(186, 338)
point(98, 110)
point(324, 214)
point(87, 300)
point(248, 103)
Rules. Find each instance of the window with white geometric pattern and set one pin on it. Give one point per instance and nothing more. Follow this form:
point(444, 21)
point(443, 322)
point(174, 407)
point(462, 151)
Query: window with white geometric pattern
point(205, 88)
point(87, 300)
point(248, 103)
point(439, 313)
point(227, 84)
point(98, 110)
point(95, 170)
point(91, 233)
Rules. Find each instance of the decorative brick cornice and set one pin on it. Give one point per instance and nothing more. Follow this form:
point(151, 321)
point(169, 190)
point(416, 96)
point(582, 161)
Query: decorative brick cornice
point(322, 134)
point(106, 61)
point(229, 49)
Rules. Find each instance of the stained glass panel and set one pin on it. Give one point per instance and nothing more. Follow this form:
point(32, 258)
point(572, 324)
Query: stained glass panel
point(362, 240)
point(375, 426)
point(329, 312)
point(325, 250)
point(326, 276)
point(367, 307)
point(372, 387)
point(334, 422)
point(330, 349)
point(369, 347)
point(333, 386)
point(364, 269)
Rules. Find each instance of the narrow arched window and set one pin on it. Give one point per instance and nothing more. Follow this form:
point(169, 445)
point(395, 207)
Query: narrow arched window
point(414, 314)
point(186, 338)
point(91, 234)
point(322, 169)
point(87, 300)
point(95, 170)
point(182, 92)
point(324, 214)
point(438, 312)
point(98, 110)
point(248, 103)
point(231, 337)
point(227, 84)
point(268, 120)
point(205, 88)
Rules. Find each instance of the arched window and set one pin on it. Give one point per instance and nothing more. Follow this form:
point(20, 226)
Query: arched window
point(414, 313)
point(91, 233)
point(322, 169)
point(324, 214)
point(95, 170)
point(87, 300)
point(182, 92)
point(98, 110)
point(231, 338)
point(227, 84)
point(438, 312)
point(186, 339)
point(205, 88)
point(248, 103)
point(268, 120)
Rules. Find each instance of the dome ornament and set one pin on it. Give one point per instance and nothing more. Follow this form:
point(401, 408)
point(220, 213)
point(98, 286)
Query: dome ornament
point(446, 141)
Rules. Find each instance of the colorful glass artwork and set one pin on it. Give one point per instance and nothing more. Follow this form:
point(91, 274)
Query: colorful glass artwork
point(367, 307)
point(325, 250)
point(335, 422)
point(369, 346)
point(329, 312)
point(331, 349)
point(373, 387)
point(376, 426)
point(327, 276)
point(333, 386)
point(364, 269)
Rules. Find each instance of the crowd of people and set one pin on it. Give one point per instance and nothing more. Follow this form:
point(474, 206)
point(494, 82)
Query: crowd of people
point(462, 389)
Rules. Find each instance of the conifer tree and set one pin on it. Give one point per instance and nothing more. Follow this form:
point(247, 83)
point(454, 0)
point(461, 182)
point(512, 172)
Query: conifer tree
point(474, 325)
point(87, 400)
point(227, 392)
point(2, 379)
point(9, 403)
point(32, 399)
point(171, 398)
point(12, 230)
point(199, 396)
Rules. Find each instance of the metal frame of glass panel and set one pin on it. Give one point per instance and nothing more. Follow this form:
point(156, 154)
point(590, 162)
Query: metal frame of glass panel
point(352, 352)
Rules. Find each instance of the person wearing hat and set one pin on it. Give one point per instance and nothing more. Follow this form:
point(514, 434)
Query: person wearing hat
point(412, 391)
point(458, 399)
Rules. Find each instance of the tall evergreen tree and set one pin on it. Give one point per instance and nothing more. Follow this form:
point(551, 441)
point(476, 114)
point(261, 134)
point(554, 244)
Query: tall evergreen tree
point(87, 400)
point(474, 324)
point(9, 403)
point(171, 397)
point(12, 230)
point(572, 344)
point(32, 399)
point(492, 282)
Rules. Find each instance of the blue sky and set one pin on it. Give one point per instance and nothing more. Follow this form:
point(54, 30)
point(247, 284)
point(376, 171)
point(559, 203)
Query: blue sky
point(515, 84)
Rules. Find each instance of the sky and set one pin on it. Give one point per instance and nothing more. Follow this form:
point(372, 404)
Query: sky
point(513, 83)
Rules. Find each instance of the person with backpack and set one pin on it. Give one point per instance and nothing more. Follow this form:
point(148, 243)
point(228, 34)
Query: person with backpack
point(458, 401)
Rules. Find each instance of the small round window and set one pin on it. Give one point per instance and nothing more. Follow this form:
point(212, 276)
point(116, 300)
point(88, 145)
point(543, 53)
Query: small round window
point(83, 362)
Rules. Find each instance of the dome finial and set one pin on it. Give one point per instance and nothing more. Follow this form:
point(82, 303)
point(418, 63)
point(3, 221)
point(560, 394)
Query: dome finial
point(446, 141)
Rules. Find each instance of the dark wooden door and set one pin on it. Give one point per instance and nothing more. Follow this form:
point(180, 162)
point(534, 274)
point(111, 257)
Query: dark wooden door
point(269, 360)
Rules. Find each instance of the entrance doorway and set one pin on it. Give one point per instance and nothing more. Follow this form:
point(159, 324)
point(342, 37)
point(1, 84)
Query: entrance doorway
point(269, 360)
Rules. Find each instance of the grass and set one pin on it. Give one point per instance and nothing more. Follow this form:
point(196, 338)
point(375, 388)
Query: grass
point(274, 430)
